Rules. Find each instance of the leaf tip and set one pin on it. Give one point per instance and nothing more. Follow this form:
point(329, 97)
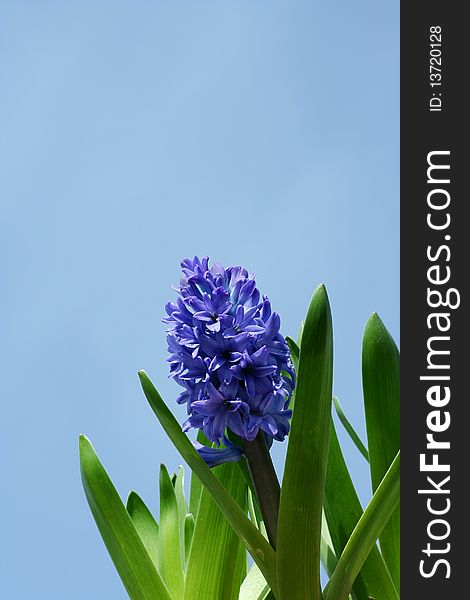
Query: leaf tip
point(375, 332)
point(131, 501)
point(87, 458)
point(83, 443)
point(320, 291)
point(374, 320)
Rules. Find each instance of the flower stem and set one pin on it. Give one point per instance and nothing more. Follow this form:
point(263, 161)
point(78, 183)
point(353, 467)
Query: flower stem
point(265, 481)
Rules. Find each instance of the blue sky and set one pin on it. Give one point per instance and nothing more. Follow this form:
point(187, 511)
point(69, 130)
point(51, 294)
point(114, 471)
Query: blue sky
point(133, 134)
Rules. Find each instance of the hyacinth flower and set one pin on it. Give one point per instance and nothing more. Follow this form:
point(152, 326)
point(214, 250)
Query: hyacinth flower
point(227, 352)
point(245, 386)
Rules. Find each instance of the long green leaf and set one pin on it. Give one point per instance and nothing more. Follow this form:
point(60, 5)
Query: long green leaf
point(328, 557)
point(144, 522)
point(256, 544)
point(212, 567)
point(255, 512)
point(253, 505)
point(195, 489)
point(350, 429)
point(169, 552)
point(182, 509)
point(241, 564)
point(294, 355)
point(135, 567)
point(381, 385)
point(294, 351)
point(189, 525)
point(299, 533)
point(370, 525)
point(254, 586)
point(327, 554)
point(343, 511)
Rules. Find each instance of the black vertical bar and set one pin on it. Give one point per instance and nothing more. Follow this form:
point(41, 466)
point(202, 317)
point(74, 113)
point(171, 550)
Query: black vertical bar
point(434, 118)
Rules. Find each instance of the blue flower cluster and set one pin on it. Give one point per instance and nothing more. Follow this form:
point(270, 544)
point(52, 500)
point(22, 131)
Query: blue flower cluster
point(228, 355)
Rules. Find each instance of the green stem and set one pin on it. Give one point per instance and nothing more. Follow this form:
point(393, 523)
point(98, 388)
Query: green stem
point(265, 482)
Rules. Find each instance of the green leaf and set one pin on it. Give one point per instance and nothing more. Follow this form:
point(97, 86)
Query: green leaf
point(135, 567)
point(254, 511)
point(381, 385)
point(182, 509)
point(169, 553)
point(188, 535)
point(343, 511)
point(254, 586)
point(144, 522)
point(350, 429)
point(327, 554)
point(212, 568)
point(241, 566)
point(370, 525)
point(195, 489)
point(294, 351)
point(300, 513)
point(301, 330)
point(256, 544)
point(294, 354)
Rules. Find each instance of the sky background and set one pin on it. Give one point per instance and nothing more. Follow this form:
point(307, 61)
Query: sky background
point(133, 134)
